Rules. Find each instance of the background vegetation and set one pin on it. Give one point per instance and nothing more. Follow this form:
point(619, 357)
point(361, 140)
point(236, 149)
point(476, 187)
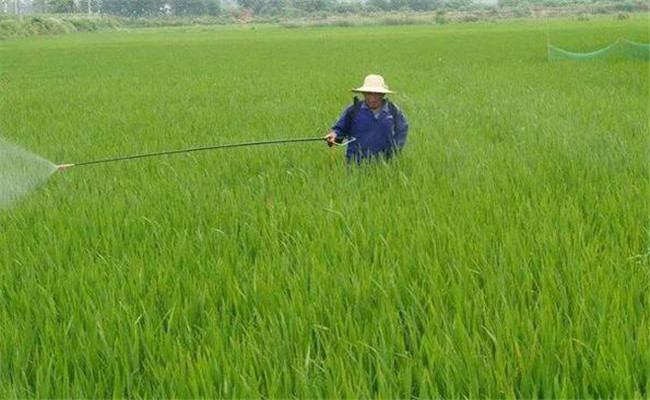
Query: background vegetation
point(291, 8)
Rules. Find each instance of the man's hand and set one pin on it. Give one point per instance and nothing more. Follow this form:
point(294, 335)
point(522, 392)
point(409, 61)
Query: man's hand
point(331, 138)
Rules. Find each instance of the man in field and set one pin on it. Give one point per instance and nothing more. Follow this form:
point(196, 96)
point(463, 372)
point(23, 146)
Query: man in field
point(375, 127)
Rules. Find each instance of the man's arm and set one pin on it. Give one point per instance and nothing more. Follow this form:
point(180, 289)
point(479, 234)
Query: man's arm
point(401, 129)
point(341, 125)
point(338, 130)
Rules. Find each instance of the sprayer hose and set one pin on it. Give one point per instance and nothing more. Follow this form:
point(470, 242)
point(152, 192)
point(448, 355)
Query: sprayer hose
point(192, 149)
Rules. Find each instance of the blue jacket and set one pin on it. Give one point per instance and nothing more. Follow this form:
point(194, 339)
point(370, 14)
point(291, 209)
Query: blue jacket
point(374, 136)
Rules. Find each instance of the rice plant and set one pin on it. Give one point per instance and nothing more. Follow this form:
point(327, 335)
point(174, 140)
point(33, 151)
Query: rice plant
point(504, 254)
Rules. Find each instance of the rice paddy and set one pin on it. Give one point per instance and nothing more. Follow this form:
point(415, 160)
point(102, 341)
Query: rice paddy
point(504, 254)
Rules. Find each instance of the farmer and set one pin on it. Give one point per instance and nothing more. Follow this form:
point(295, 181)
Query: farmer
point(375, 127)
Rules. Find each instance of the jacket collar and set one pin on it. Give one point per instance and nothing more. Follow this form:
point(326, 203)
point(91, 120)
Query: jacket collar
point(384, 108)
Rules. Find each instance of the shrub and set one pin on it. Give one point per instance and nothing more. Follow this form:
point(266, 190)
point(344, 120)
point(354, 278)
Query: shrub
point(440, 17)
point(470, 18)
point(293, 24)
point(521, 12)
point(399, 20)
point(10, 28)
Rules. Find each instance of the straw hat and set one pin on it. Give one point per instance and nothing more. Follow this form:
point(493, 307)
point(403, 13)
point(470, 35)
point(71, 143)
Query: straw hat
point(373, 84)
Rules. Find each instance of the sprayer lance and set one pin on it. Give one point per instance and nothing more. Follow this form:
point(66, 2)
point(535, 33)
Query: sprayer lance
point(63, 167)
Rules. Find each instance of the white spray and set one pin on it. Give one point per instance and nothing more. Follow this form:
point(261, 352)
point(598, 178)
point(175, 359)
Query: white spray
point(20, 172)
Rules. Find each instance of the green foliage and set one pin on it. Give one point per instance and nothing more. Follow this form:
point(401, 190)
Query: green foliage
point(47, 26)
point(312, 6)
point(422, 5)
point(503, 255)
point(318, 8)
point(195, 7)
point(348, 7)
point(59, 6)
point(285, 7)
point(440, 17)
point(153, 8)
point(134, 8)
point(382, 5)
point(264, 7)
point(399, 21)
point(10, 27)
point(83, 24)
point(459, 4)
point(34, 26)
point(41, 25)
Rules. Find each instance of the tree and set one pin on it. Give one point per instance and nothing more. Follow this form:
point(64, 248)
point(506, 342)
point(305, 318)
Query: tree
point(213, 7)
point(87, 6)
point(398, 5)
point(460, 4)
point(195, 7)
point(59, 6)
point(311, 6)
point(422, 5)
point(38, 6)
point(509, 3)
point(382, 5)
point(262, 7)
point(133, 8)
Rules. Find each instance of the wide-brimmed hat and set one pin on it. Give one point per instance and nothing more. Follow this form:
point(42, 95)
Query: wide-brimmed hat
point(373, 84)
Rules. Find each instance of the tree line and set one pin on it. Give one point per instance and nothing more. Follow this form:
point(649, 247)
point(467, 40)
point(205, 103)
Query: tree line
point(125, 8)
point(157, 8)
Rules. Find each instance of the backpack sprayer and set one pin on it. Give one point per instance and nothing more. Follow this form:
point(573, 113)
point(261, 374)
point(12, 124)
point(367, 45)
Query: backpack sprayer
point(63, 167)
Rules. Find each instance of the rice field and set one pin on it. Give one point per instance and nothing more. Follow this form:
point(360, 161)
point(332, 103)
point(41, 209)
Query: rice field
point(504, 254)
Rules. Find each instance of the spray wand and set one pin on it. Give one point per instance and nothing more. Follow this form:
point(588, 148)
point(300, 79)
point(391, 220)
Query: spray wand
point(63, 167)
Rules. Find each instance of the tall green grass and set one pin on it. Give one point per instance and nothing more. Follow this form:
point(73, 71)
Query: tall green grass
point(504, 254)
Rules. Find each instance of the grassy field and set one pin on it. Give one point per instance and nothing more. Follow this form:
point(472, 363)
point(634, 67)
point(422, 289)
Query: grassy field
point(505, 254)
